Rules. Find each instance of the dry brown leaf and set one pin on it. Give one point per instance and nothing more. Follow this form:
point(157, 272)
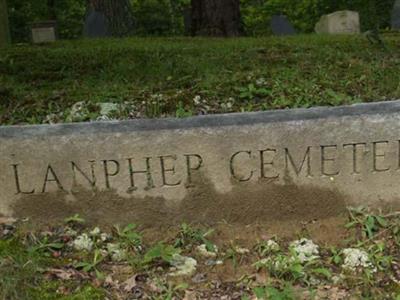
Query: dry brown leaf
point(62, 274)
point(7, 221)
point(190, 295)
point(130, 284)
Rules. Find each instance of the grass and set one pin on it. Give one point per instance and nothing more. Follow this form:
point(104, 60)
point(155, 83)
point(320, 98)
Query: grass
point(157, 77)
point(22, 275)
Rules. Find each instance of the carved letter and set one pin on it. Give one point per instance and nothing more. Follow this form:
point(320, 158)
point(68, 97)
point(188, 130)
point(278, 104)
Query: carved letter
point(325, 159)
point(92, 181)
point(233, 173)
point(17, 184)
point(150, 184)
point(269, 163)
point(189, 167)
point(54, 179)
point(171, 170)
point(376, 155)
point(355, 169)
point(107, 174)
point(288, 158)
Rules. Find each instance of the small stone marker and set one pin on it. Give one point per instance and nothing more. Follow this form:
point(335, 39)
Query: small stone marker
point(43, 32)
point(96, 25)
point(280, 25)
point(340, 22)
point(297, 164)
point(396, 15)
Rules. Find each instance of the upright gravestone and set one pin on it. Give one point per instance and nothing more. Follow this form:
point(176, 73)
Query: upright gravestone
point(96, 25)
point(396, 15)
point(280, 25)
point(340, 22)
point(187, 20)
point(298, 164)
point(44, 32)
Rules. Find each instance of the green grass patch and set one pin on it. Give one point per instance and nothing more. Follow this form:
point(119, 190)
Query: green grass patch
point(22, 270)
point(248, 74)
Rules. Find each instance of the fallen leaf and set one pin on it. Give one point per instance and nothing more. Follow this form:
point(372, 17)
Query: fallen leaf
point(190, 295)
point(61, 273)
point(130, 284)
point(7, 221)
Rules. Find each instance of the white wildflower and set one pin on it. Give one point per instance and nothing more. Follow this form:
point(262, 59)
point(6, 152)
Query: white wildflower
point(158, 97)
point(53, 118)
point(202, 249)
point(197, 100)
point(77, 111)
point(104, 236)
point(71, 233)
point(77, 107)
point(117, 254)
point(242, 250)
point(83, 242)
point(107, 108)
point(95, 232)
point(356, 258)
point(271, 246)
point(260, 81)
point(305, 250)
point(226, 105)
point(183, 265)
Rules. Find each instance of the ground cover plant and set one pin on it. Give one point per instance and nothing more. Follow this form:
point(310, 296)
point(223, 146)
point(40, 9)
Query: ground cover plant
point(156, 77)
point(359, 259)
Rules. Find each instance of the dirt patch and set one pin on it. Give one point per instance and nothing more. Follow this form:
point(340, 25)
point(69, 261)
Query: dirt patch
point(247, 203)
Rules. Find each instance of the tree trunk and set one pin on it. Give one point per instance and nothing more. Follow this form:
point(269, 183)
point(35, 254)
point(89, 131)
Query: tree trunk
point(4, 29)
point(118, 13)
point(216, 18)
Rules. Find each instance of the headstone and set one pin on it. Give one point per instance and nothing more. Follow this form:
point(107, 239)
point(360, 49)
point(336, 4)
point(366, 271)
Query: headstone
point(396, 15)
point(280, 25)
point(43, 32)
point(243, 168)
point(96, 25)
point(340, 22)
point(187, 20)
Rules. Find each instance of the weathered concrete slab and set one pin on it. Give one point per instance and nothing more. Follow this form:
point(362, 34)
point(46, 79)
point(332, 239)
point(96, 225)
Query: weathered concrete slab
point(339, 22)
point(244, 168)
point(395, 16)
point(96, 25)
point(43, 32)
point(280, 25)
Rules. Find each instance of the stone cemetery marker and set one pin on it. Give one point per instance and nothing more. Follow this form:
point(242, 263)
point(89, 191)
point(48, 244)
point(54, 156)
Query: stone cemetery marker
point(43, 32)
point(340, 22)
point(96, 25)
point(280, 25)
point(243, 168)
point(396, 15)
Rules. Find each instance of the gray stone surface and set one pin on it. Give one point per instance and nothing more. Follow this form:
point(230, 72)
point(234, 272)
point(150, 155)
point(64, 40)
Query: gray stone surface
point(340, 22)
point(96, 25)
point(243, 168)
point(396, 15)
point(44, 32)
point(280, 25)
